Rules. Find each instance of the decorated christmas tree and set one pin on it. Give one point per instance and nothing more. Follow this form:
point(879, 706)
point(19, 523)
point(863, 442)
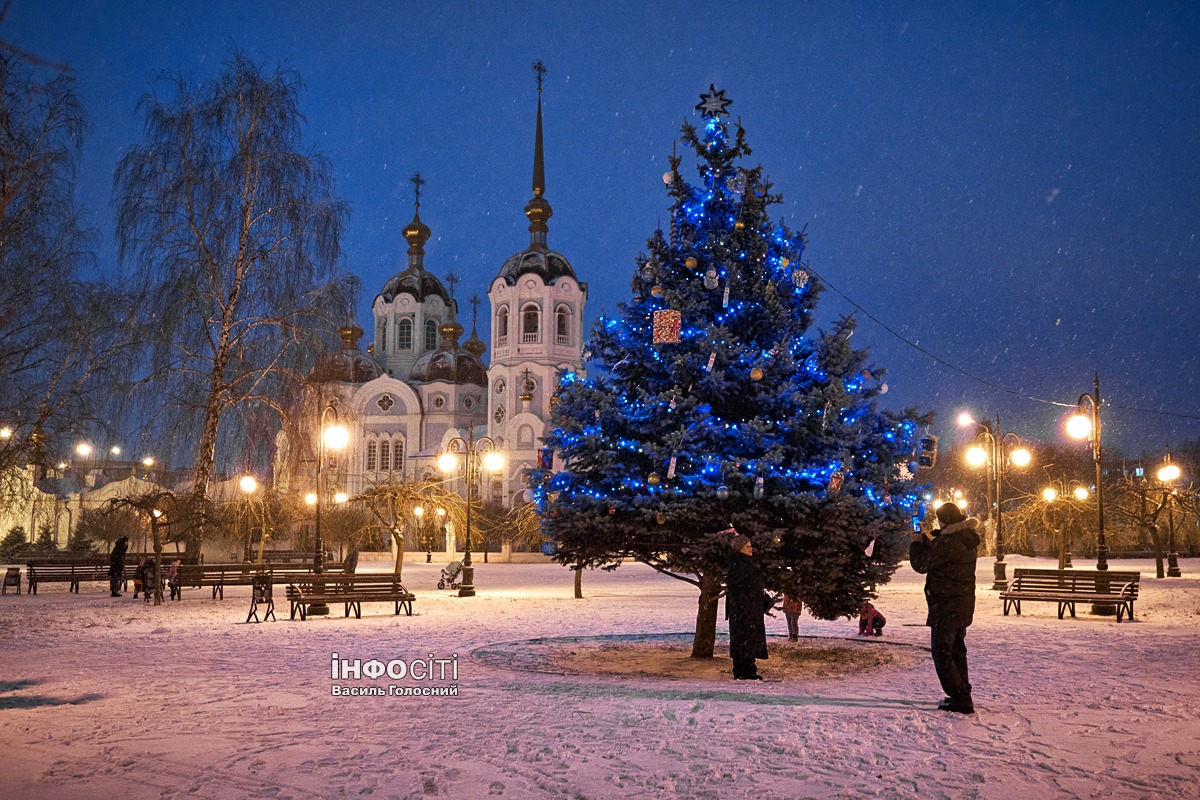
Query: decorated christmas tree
point(707, 406)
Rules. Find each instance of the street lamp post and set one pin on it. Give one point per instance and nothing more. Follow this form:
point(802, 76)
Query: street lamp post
point(249, 485)
point(1085, 424)
point(996, 450)
point(473, 451)
point(1051, 495)
point(333, 437)
point(1168, 473)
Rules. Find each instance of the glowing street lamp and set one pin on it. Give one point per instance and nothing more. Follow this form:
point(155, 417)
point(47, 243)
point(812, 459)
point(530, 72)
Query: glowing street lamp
point(83, 449)
point(474, 453)
point(1085, 424)
point(1167, 474)
point(997, 451)
point(332, 437)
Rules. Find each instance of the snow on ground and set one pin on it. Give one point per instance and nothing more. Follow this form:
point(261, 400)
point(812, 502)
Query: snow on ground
point(103, 697)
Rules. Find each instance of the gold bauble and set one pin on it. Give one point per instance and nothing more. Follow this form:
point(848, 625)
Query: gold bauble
point(657, 291)
point(739, 225)
point(690, 263)
point(653, 479)
point(756, 374)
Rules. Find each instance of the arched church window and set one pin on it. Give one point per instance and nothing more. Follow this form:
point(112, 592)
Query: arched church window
point(404, 334)
point(372, 456)
point(530, 324)
point(385, 456)
point(502, 326)
point(562, 326)
point(431, 331)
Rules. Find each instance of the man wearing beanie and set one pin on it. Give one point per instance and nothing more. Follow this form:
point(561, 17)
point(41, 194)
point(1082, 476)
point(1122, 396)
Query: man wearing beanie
point(947, 559)
point(745, 603)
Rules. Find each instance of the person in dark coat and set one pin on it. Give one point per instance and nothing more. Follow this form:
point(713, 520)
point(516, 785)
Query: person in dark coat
point(745, 603)
point(116, 565)
point(947, 559)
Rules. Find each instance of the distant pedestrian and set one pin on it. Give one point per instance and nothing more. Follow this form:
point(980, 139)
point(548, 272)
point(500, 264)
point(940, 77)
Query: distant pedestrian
point(947, 559)
point(147, 577)
point(870, 620)
point(116, 565)
point(173, 580)
point(792, 606)
point(746, 602)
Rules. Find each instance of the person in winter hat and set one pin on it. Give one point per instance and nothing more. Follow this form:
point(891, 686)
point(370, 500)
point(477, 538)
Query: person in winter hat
point(116, 565)
point(745, 603)
point(947, 559)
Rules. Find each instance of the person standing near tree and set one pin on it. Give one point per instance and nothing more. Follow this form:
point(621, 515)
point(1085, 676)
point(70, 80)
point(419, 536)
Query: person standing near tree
point(792, 606)
point(947, 559)
point(116, 565)
point(745, 603)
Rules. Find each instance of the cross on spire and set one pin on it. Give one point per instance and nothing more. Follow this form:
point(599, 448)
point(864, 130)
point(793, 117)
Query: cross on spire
point(474, 309)
point(540, 68)
point(417, 182)
point(453, 280)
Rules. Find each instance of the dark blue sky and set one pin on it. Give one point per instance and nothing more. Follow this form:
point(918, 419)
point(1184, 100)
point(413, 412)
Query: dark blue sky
point(1013, 186)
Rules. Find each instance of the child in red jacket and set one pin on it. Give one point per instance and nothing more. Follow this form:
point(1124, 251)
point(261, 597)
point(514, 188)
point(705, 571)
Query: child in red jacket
point(870, 621)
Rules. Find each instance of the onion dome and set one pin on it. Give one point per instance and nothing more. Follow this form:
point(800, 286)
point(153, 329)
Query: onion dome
point(348, 365)
point(450, 362)
point(415, 280)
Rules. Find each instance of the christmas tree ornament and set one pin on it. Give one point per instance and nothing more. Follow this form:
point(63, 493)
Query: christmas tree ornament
point(671, 467)
point(759, 488)
point(800, 279)
point(722, 493)
point(710, 278)
point(714, 104)
point(612, 510)
point(668, 177)
point(691, 263)
point(739, 225)
point(712, 359)
point(654, 479)
point(835, 482)
point(783, 261)
point(725, 297)
point(649, 273)
point(666, 326)
point(661, 518)
point(657, 291)
point(756, 374)
point(883, 388)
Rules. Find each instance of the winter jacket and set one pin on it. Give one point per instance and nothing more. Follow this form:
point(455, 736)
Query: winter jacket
point(116, 559)
point(791, 605)
point(745, 603)
point(866, 619)
point(948, 563)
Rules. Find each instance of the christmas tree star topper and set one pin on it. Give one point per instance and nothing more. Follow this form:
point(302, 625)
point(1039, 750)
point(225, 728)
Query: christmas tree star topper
point(714, 103)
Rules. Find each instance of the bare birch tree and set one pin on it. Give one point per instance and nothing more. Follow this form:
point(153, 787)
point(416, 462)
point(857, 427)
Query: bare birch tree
point(233, 230)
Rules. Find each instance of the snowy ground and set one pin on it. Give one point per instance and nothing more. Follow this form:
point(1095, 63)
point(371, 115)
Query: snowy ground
point(101, 697)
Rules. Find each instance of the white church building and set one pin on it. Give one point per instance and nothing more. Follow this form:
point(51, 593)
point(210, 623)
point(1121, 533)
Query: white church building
point(416, 387)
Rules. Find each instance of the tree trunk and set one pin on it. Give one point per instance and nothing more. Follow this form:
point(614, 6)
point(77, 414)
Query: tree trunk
point(705, 639)
point(158, 598)
point(398, 538)
point(578, 583)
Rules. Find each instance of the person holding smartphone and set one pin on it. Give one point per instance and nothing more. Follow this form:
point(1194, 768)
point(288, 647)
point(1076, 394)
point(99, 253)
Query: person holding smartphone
point(947, 559)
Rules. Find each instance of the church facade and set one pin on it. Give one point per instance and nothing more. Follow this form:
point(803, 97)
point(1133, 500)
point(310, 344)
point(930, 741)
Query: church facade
point(416, 387)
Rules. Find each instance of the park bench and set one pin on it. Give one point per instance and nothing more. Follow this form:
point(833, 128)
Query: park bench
point(1070, 586)
point(218, 576)
point(12, 577)
point(351, 591)
point(71, 573)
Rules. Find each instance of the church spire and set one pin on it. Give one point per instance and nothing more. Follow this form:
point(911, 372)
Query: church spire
point(416, 232)
point(538, 209)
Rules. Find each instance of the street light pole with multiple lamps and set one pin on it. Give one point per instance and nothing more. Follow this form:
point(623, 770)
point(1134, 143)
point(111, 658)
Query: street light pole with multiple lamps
point(475, 453)
point(997, 451)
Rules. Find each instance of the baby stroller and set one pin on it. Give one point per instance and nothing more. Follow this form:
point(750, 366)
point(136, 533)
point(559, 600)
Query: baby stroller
point(450, 575)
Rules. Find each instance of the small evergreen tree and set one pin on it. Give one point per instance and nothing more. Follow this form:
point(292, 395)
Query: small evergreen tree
point(741, 419)
point(14, 544)
point(46, 544)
